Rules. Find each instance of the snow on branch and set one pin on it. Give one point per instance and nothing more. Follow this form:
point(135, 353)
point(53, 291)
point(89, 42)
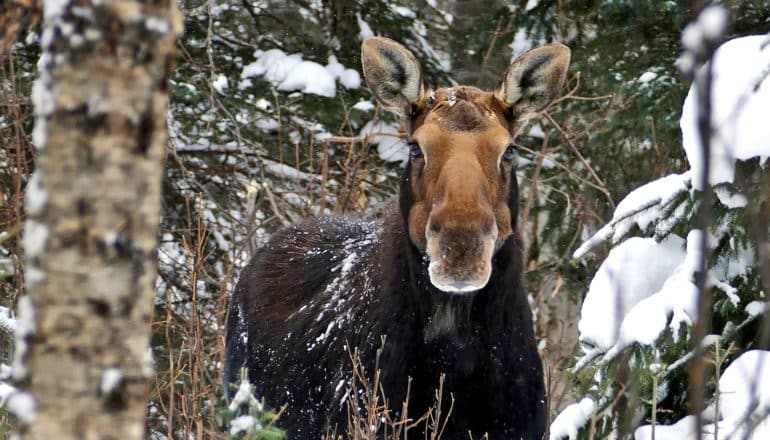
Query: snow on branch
point(7, 323)
point(739, 109)
point(291, 72)
point(647, 285)
point(642, 207)
point(18, 403)
point(744, 390)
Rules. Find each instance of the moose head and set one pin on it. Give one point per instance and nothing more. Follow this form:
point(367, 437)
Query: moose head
point(459, 196)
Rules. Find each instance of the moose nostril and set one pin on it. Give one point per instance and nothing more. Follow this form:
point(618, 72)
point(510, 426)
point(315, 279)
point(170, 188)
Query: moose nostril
point(435, 228)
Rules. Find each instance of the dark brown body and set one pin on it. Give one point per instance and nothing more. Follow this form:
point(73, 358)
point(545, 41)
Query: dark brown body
point(322, 285)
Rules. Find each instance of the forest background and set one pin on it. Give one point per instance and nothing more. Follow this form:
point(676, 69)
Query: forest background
point(252, 149)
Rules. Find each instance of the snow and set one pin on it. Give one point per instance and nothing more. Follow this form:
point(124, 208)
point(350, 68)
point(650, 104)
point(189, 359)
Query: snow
point(309, 77)
point(276, 66)
point(647, 77)
point(19, 403)
point(740, 105)
point(449, 18)
point(7, 323)
point(737, 263)
point(243, 424)
point(569, 421)
point(334, 67)
point(729, 199)
point(32, 37)
point(291, 72)
point(677, 300)
point(390, 146)
point(531, 4)
point(53, 8)
point(348, 262)
point(661, 190)
point(245, 397)
point(744, 391)
point(147, 363)
point(441, 57)
point(339, 386)
point(755, 308)
point(5, 391)
point(111, 378)
point(5, 371)
point(288, 172)
point(643, 324)
point(692, 38)
point(707, 30)
point(521, 43)
point(536, 131)
point(35, 236)
point(157, 25)
point(364, 106)
point(712, 22)
point(349, 78)
point(403, 11)
point(336, 307)
point(220, 84)
point(634, 270)
point(41, 97)
point(25, 326)
point(645, 286)
point(366, 30)
point(35, 195)
point(681, 430)
point(640, 207)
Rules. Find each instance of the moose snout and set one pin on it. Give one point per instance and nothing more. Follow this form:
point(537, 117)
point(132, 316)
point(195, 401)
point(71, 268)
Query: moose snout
point(460, 252)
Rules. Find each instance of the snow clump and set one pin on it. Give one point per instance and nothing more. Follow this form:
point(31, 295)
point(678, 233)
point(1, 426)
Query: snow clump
point(569, 421)
point(291, 72)
point(739, 106)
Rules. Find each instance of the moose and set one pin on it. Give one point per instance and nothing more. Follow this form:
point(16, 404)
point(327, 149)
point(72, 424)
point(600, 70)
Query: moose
point(437, 270)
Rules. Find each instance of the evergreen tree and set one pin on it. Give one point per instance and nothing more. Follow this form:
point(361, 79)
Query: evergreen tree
point(662, 319)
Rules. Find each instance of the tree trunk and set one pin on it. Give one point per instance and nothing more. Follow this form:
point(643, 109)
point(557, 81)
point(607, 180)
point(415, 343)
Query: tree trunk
point(93, 208)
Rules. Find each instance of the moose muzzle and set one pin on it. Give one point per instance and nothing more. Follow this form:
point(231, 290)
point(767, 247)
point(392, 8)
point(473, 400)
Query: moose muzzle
point(460, 252)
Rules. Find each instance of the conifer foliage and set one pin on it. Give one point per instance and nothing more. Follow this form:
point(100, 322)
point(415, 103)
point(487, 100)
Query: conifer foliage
point(673, 324)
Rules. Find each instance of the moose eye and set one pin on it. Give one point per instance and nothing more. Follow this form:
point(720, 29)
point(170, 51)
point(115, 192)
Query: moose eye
point(414, 150)
point(510, 153)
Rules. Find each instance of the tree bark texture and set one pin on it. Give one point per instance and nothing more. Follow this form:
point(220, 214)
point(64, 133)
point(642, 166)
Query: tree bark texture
point(93, 208)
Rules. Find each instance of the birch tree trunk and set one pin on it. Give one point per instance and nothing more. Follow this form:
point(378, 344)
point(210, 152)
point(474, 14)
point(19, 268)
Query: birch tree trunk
point(93, 208)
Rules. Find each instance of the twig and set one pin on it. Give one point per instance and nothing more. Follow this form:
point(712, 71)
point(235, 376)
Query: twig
point(567, 170)
point(602, 186)
point(495, 35)
point(273, 205)
point(533, 190)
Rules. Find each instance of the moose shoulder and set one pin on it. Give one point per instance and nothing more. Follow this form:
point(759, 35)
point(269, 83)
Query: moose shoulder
point(439, 271)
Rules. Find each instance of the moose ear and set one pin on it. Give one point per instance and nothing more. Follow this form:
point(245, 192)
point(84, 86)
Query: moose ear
point(393, 74)
point(534, 80)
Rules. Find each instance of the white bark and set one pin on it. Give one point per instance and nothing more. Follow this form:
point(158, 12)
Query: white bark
point(91, 235)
